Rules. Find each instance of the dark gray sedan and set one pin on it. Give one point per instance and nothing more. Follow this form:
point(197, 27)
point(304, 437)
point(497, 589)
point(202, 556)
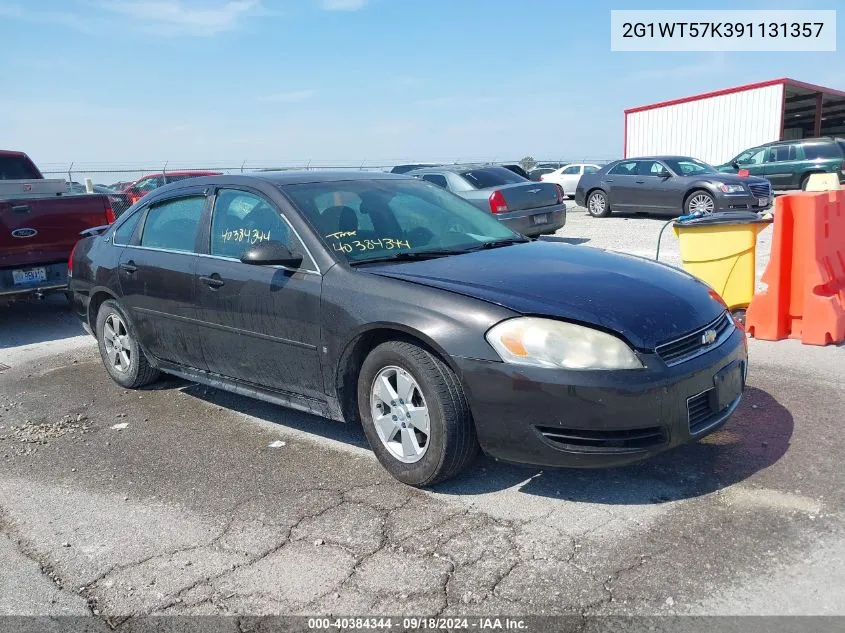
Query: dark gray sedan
point(669, 185)
point(530, 208)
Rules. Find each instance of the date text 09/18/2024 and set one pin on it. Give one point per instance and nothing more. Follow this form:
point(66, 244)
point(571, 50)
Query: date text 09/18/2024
point(421, 623)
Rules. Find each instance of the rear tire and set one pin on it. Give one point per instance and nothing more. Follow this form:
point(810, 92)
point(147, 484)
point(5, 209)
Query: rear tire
point(805, 181)
point(122, 357)
point(428, 435)
point(598, 205)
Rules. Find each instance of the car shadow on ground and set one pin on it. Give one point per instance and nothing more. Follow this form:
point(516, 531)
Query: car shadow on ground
point(753, 439)
point(37, 321)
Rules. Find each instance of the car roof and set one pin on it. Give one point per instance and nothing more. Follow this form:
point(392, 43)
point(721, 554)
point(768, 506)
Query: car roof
point(456, 168)
point(808, 140)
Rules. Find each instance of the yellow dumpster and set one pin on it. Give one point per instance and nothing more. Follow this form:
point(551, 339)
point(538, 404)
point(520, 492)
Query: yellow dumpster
point(721, 250)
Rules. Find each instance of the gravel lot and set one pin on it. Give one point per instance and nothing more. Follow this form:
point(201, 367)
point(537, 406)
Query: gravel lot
point(187, 510)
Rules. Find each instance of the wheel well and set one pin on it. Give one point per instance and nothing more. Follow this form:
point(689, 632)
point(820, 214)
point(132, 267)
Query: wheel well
point(94, 304)
point(693, 190)
point(346, 378)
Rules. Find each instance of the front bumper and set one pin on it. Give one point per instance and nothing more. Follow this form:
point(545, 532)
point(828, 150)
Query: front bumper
point(592, 419)
point(743, 201)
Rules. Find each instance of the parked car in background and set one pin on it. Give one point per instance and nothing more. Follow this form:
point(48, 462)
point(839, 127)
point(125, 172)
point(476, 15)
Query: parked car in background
point(535, 173)
point(517, 169)
point(409, 311)
point(568, 176)
point(139, 188)
point(789, 164)
point(530, 208)
point(404, 169)
point(669, 185)
point(40, 221)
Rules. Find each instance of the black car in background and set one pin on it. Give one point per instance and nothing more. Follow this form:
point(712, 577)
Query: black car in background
point(669, 185)
point(387, 300)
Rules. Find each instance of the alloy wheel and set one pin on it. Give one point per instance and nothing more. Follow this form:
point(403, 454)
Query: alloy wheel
point(598, 203)
point(117, 343)
point(702, 203)
point(400, 414)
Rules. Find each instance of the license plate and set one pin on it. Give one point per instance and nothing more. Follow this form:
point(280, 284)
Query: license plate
point(762, 202)
point(29, 276)
point(541, 219)
point(728, 383)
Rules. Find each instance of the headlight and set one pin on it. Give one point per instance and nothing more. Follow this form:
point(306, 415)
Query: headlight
point(547, 343)
point(732, 188)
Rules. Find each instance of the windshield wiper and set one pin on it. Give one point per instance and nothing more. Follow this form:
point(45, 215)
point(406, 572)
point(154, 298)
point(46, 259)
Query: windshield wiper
point(409, 256)
point(508, 241)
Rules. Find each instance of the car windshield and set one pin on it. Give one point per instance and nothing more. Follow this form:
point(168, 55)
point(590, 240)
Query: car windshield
point(689, 166)
point(491, 177)
point(366, 220)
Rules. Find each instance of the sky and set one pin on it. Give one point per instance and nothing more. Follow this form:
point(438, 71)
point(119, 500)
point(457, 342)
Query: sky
point(341, 82)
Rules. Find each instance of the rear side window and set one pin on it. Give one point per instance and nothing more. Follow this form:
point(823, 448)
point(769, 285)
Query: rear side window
point(822, 150)
point(491, 177)
point(572, 170)
point(628, 168)
point(173, 225)
point(436, 179)
point(17, 168)
point(590, 169)
point(123, 233)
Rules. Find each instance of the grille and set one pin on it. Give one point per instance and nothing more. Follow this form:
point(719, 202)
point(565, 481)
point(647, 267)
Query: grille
point(692, 344)
point(597, 440)
point(760, 190)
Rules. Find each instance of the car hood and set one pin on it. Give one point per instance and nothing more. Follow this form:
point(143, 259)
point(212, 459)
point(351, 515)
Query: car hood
point(648, 303)
point(732, 179)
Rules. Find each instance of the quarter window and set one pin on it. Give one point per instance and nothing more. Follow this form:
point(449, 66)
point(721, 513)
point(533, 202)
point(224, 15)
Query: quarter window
point(822, 150)
point(436, 179)
point(123, 233)
point(173, 224)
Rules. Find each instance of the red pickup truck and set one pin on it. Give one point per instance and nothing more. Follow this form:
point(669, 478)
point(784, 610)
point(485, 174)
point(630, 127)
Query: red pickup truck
point(40, 222)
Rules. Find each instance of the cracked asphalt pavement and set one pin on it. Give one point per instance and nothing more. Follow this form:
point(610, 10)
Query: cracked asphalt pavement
point(188, 510)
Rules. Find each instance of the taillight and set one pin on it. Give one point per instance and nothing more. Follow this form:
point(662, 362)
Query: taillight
point(497, 202)
point(70, 260)
point(561, 196)
point(110, 217)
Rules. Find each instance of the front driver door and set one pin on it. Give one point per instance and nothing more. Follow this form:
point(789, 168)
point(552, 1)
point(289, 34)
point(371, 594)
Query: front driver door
point(260, 324)
point(157, 280)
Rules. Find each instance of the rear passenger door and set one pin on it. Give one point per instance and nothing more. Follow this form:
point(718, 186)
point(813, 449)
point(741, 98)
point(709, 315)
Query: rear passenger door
point(569, 178)
point(622, 185)
point(779, 165)
point(157, 278)
point(260, 324)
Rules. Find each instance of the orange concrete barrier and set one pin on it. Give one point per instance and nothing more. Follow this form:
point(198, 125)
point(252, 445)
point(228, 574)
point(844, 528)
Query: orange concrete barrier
point(805, 297)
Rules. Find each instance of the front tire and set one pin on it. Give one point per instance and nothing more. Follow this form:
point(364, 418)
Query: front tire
point(701, 202)
point(598, 205)
point(122, 356)
point(415, 414)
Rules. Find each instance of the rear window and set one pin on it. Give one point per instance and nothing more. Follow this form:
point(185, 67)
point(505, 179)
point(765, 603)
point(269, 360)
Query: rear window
point(822, 150)
point(17, 168)
point(491, 177)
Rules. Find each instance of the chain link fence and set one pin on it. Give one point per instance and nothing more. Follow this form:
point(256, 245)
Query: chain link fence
point(125, 183)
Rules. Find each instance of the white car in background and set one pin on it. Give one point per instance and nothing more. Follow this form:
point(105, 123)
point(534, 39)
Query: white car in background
point(569, 175)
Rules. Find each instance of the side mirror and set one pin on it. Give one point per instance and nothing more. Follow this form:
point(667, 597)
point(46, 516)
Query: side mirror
point(271, 253)
point(665, 174)
point(734, 164)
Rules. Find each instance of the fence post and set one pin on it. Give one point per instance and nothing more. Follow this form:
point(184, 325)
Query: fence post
point(70, 172)
point(164, 169)
point(242, 165)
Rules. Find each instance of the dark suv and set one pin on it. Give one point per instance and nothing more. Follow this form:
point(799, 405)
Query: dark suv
point(789, 164)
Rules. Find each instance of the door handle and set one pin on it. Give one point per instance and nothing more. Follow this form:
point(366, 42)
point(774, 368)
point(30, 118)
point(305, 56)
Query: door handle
point(21, 208)
point(641, 182)
point(608, 179)
point(213, 281)
point(129, 267)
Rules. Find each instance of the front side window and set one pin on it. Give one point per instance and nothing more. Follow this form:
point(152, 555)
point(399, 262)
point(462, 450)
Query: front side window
point(627, 168)
point(174, 224)
point(752, 156)
point(242, 219)
point(690, 167)
point(389, 217)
